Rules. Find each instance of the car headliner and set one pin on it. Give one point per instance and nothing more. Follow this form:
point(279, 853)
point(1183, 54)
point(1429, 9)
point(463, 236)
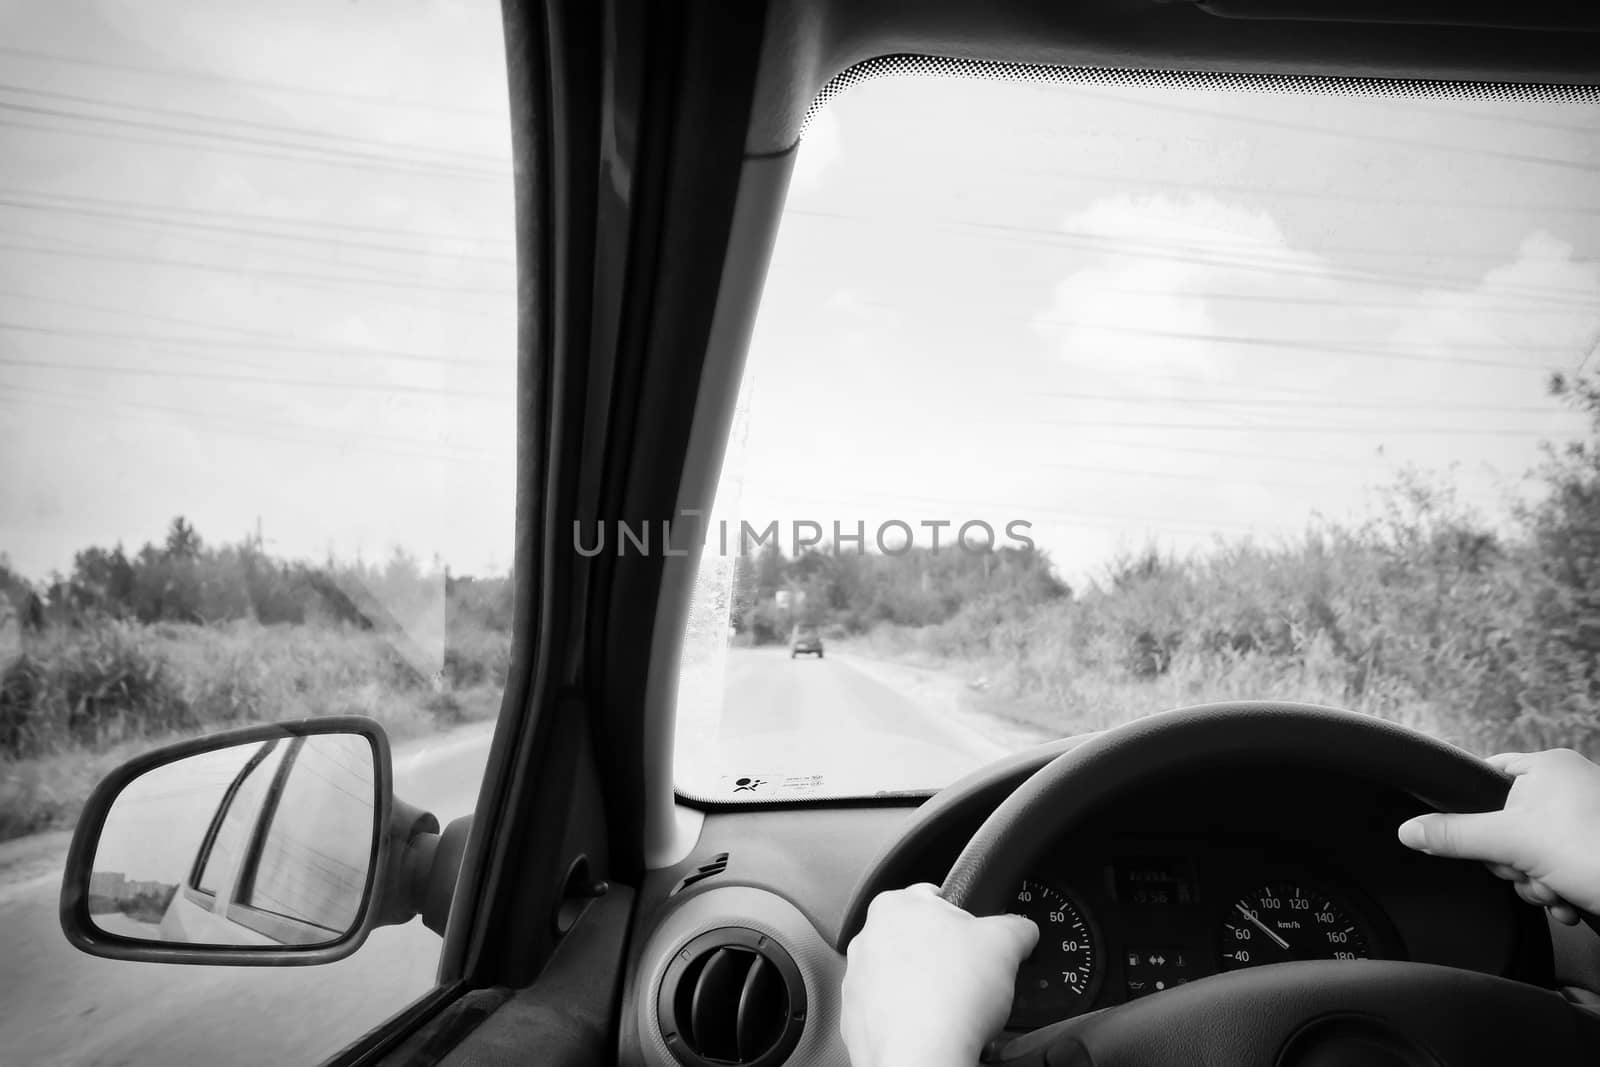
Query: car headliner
point(808, 42)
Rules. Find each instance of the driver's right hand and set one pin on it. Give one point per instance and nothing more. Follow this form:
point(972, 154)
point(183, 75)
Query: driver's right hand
point(1546, 839)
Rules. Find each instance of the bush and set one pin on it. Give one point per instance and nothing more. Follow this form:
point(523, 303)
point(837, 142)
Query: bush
point(89, 688)
point(1424, 615)
point(79, 696)
point(476, 657)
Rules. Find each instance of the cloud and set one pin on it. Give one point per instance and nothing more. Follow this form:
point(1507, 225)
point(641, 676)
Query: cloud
point(1496, 343)
point(1157, 338)
point(1142, 302)
point(1542, 301)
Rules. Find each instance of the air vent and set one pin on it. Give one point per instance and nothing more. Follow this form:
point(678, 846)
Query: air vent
point(716, 865)
point(731, 996)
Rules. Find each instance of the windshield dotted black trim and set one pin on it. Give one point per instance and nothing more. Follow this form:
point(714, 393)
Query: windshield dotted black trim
point(901, 66)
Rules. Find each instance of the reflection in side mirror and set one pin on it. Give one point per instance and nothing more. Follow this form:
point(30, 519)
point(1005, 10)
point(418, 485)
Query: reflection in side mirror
point(265, 843)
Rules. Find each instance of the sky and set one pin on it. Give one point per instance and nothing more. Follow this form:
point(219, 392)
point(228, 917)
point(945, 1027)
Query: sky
point(256, 267)
point(1135, 316)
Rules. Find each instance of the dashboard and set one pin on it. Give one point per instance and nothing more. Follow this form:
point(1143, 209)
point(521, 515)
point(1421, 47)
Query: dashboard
point(1166, 882)
point(1194, 878)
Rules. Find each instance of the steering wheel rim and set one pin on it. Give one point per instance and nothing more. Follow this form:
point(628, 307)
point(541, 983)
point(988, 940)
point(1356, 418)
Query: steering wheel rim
point(1270, 1006)
point(1057, 798)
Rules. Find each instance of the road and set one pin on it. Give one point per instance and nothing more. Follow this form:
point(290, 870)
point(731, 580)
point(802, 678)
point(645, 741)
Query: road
point(845, 725)
point(870, 725)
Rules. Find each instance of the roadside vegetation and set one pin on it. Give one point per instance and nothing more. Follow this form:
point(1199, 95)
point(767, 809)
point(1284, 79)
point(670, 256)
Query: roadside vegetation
point(130, 650)
point(1485, 633)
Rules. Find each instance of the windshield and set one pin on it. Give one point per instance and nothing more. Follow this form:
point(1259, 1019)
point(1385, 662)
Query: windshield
point(1119, 398)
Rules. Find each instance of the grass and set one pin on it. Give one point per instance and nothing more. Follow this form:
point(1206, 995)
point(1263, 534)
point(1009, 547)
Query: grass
point(1061, 701)
point(1434, 631)
point(75, 702)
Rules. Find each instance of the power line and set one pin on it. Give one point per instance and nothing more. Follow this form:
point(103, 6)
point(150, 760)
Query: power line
point(101, 136)
point(215, 422)
point(1303, 129)
point(297, 277)
point(287, 149)
point(1520, 121)
point(231, 250)
point(1291, 344)
point(92, 252)
point(1180, 252)
point(80, 305)
point(234, 121)
point(242, 379)
point(1182, 476)
point(319, 224)
point(1282, 344)
point(319, 93)
point(1173, 448)
point(269, 346)
point(311, 281)
point(1132, 182)
point(1236, 243)
point(1359, 405)
point(1380, 430)
point(1218, 296)
point(321, 446)
point(1024, 510)
point(246, 231)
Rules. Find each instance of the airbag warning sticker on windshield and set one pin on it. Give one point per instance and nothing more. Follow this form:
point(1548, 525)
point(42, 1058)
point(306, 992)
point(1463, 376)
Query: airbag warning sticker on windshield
point(762, 786)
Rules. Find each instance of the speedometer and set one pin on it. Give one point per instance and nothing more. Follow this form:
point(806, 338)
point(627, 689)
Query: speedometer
point(1285, 921)
point(1058, 979)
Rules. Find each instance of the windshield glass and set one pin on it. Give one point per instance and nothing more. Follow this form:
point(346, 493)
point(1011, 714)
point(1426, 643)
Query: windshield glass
point(1119, 398)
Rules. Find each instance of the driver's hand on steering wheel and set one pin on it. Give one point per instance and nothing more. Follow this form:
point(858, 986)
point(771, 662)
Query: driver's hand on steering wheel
point(927, 983)
point(1546, 839)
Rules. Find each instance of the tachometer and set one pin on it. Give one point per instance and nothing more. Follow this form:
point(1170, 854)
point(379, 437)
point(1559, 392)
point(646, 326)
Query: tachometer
point(1285, 921)
point(1056, 981)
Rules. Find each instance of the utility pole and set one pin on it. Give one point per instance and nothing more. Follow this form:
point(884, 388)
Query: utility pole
point(260, 541)
point(1593, 347)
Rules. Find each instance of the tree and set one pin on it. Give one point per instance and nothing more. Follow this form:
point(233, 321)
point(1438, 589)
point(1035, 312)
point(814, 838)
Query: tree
point(102, 581)
point(183, 541)
point(770, 570)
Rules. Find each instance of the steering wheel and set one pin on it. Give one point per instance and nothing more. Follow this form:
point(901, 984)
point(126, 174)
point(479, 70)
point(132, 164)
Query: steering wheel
point(1330, 1013)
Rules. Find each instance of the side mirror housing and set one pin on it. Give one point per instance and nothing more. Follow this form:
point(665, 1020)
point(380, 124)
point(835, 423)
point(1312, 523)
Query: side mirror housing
point(268, 845)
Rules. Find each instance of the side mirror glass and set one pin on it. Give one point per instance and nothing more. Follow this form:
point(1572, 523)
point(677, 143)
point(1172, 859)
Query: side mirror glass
point(267, 840)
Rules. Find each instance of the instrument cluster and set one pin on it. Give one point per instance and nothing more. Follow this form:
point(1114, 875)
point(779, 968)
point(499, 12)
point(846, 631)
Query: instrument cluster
point(1150, 915)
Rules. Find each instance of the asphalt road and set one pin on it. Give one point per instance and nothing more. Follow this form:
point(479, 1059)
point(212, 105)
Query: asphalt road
point(859, 725)
point(873, 725)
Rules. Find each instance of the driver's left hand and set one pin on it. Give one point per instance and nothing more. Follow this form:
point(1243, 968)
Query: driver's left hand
point(927, 983)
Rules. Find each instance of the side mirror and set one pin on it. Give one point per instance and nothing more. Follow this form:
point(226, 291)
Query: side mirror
point(278, 844)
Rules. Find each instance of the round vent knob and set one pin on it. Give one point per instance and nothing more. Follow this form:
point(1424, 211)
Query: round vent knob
point(731, 996)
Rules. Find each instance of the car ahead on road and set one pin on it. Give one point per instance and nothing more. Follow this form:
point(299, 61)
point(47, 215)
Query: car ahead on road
point(588, 911)
point(805, 640)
